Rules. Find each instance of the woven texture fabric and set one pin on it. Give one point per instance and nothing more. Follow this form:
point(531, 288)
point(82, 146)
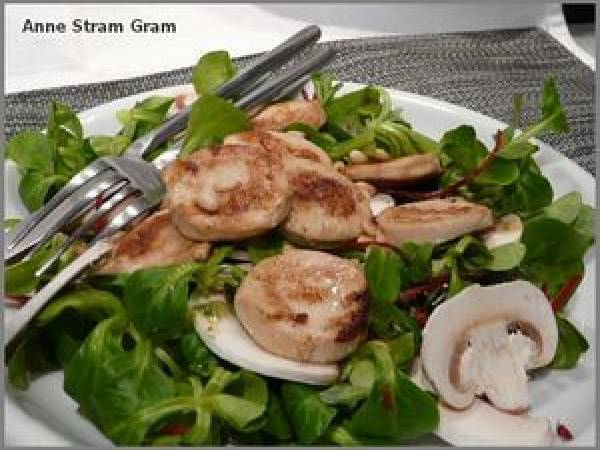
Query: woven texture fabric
point(478, 70)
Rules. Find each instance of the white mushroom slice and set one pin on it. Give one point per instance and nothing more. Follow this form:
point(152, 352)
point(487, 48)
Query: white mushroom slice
point(434, 221)
point(507, 229)
point(405, 171)
point(484, 339)
point(281, 115)
point(483, 425)
point(305, 305)
point(155, 241)
point(380, 202)
point(327, 208)
point(227, 193)
point(290, 143)
point(225, 336)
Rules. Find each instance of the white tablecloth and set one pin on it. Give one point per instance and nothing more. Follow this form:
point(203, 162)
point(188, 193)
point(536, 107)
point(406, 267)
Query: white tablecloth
point(48, 60)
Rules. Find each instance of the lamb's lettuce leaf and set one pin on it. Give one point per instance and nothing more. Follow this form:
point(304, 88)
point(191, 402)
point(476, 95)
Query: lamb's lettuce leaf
point(363, 120)
point(385, 275)
point(47, 161)
point(109, 145)
point(325, 87)
point(211, 71)
point(37, 158)
point(278, 423)
point(20, 277)
point(571, 345)
point(144, 116)
point(310, 416)
point(196, 357)
point(156, 298)
point(556, 241)
point(395, 408)
point(513, 182)
point(214, 275)
point(211, 119)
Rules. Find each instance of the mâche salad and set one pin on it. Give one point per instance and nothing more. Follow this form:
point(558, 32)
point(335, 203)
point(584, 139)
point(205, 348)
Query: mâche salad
point(319, 272)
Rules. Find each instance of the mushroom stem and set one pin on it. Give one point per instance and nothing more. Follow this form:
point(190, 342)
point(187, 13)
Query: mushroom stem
point(495, 362)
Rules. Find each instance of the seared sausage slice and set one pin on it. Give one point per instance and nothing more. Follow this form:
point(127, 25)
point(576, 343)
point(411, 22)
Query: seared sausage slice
point(433, 221)
point(405, 171)
point(305, 305)
point(281, 115)
point(228, 192)
point(291, 143)
point(327, 208)
point(153, 242)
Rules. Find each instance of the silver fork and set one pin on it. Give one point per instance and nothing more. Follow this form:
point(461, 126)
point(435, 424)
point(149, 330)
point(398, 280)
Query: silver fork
point(129, 204)
point(133, 176)
point(30, 232)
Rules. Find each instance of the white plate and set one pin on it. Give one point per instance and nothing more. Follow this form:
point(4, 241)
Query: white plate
point(45, 415)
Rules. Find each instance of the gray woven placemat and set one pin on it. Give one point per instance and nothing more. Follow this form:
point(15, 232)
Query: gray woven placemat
point(478, 70)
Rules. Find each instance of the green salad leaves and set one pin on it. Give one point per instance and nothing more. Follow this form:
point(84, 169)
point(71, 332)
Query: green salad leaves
point(131, 357)
point(362, 120)
point(375, 403)
point(557, 239)
point(512, 182)
point(571, 345)
point(138, 370)
point(211, 71)
point(212, 118)
point(47, 161)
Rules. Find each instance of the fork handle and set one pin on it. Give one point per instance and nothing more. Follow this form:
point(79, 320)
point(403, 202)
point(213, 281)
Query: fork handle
point(230, 89)
point(28, 311)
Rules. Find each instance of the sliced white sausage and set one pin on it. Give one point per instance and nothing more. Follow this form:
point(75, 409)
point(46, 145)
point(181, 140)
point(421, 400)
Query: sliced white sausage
point(281, 115)
point(290, 143)
point(405, 171)
point(305, 305)
point(434, 221)
point(227, 192)
point(153, 242)
point(327, 208)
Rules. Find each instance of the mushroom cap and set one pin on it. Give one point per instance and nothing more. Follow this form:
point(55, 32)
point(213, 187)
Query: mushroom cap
point(467, 317)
